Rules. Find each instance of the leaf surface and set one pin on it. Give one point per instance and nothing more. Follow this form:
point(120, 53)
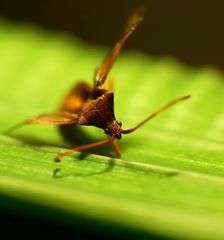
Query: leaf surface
point(169, 181)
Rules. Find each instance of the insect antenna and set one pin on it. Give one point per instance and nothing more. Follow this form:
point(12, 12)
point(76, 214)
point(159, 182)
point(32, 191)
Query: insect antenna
point(170, 104)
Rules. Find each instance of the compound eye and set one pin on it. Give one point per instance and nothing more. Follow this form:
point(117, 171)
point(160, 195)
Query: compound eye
point(106, 130)
point(119, 123)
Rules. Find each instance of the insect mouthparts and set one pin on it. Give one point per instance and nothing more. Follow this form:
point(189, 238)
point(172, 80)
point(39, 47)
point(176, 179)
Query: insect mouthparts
point(114, 129)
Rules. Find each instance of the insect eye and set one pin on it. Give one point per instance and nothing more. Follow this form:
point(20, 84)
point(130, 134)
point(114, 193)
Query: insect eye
point(106, 130)
point(119, 123)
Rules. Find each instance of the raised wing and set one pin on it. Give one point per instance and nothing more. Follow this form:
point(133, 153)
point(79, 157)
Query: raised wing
point(104, 69)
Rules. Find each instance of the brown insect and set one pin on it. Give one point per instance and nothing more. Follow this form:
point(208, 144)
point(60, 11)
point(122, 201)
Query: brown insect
point(94, 106)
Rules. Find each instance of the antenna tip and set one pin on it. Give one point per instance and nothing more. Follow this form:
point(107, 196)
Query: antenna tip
point(186, 97)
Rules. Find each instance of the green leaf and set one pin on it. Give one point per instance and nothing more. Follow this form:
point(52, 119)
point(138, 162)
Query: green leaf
point(169, 181)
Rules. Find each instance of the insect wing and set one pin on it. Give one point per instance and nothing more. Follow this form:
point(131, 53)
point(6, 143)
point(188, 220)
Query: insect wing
point(104, 69)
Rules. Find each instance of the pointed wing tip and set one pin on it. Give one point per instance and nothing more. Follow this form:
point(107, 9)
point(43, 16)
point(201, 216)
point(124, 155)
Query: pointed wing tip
point(136, 17)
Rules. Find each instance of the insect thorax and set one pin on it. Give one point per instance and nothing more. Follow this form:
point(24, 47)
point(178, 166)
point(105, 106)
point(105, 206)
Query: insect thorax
point(100, 113)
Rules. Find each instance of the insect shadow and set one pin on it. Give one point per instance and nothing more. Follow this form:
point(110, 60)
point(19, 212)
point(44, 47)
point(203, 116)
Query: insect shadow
point(109, 167)
point(112, 164)
point(75, 135)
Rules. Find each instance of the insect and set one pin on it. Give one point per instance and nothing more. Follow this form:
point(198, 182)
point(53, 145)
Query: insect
point(94, 105)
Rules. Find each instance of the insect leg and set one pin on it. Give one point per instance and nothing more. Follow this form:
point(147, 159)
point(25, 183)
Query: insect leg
point(116, 148)
point(170, 104)
point(56, 118)
point(84, 147)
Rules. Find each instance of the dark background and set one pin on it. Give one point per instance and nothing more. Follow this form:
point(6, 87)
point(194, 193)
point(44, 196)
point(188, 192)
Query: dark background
point(190, 30)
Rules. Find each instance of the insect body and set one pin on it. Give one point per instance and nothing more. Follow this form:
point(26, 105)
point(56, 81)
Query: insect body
point(87, 105)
